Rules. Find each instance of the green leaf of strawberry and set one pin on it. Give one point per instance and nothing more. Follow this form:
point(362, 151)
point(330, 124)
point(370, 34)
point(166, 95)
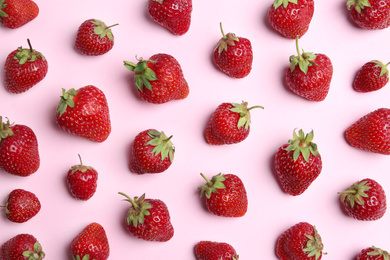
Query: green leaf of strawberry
point(302, 144)
point(138, 211)
point(359, 4)
point(304, 60)
point(5, 129)
point(162, 143)
point(355, 193)
point(379, 253)
point(285, 3)
point(66, 100)
point(143, 74)
point(213, 185)
point(245, 116)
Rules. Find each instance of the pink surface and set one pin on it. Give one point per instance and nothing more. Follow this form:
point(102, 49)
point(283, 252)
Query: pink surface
point(271, 211)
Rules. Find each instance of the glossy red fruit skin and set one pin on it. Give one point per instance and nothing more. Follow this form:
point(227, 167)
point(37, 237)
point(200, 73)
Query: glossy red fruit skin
point(19, 13)
point(375, 17)
point(22, 205)
point(13, 248)
point(367, 254)
point(209, 250)
point(368, 78)
point(82, 185)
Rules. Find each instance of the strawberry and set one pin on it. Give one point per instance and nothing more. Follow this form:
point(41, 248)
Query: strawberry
point(229, 123)
point(159, 79)
point(371, 132)
point(148, 219)
point(16, 13)
point(82, 181)
point(94, 38)
point(225, 195)
point(84, 112)
point(373, 253)
point(298, 163)
point(21, 247)
point(370, 14)
point(291, 18)
point(175, 15)
point(91, 243)
point(152, 152)
point(19, 153)
point(364, 200)
point(300, 242)
point(24, 68)
point(209, 250)
point(21, 206)
point(233, 55)
point(309, 75)
point(372, 76)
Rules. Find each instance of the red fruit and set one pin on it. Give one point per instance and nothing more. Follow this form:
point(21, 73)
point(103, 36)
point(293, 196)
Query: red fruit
point(24, 68)
point(84, 112)
point(19, 153)
point(233, 55)
point(21, 206)
point(94, 38)
point(91, 243)
point(159, 79)
point(373, 253)
point(15, 13)
point(364, 200)
point(152, 152)
point(175, 15)
point(300, 242)
point(291, 18)
point(298, 163)
point(225, 195)
point(21, 247)
point(370, 14)
point(373, 76)
point(208, 250)
point(148, 219)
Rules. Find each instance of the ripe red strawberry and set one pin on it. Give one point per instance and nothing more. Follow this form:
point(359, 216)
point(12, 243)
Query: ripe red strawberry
point(91, 243)
point(148, 219)
point(300, 242)
point(151, 152)
point(21, 247)
point(364, 200)
point(370, 14)
point(159, 79)
point(371, 132)
point(82, 181)
point(175, 15)
point(21, 206)
point(15, 13)
point(229, 124)
point(298, 163)
point(372, 76)
point(225, 195)
point(373, 253)
point(233, 55)
point(209, 250)
point(24, 68)
point(19, 153)
point(94, 38)
point(291, 18)
point(84, 112)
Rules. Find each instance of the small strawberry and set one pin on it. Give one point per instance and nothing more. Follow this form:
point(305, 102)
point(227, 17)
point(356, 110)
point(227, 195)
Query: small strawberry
point(94, 38)
point(19, 153)
point(175, 15)
point(233, 55)
point(148, 219)
point(151, 152)
point(159, 79)
point(291, 18)
point(372, 76)
point(209, 250)
point(16, 13)
point(225, 195)
point(300, 242)
point(298, 163)
point(373, 253)
point(91, 243)
point(364, 200)
point(22, 247)
point(370, 14)
point(24, 68)
point(229, 123)
point(82, 181)
point(21, 206)
point(84, 112)
point(371, 132)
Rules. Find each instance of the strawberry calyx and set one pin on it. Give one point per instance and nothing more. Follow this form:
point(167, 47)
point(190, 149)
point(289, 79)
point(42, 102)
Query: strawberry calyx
point(302, 144)
point(5, 130)
point(227, 40)
point(245, 116)
point(162, 144)
point(138, 210)
point(143, 74)
point(314, 245)
point(304, 60)
point(212, 185)
point(383, 67)
point(66, 100)
point(3, 5)
point(379, 253)
point(27, 55)
point(80, 167)
point(359, 4)
point(37, 254)
point(102, 29)
point(159, 1)
point(285, 3)
point(355, 193)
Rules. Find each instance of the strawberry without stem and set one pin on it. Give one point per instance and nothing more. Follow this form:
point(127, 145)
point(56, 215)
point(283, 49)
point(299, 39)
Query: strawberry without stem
point(209, 250)
point(370, 14)
point(16, 13)
point(21, 247)
point(372, 76)
point(21, 206)
point(373, 253)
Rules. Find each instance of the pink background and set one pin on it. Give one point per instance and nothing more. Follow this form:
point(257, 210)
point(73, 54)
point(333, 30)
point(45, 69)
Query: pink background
point(271, 211)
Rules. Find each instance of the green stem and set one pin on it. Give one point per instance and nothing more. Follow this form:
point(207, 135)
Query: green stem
point(224, 36)
point(129, 200)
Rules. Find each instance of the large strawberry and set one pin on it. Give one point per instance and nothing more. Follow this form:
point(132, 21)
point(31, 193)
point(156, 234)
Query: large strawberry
point(300, 242)
point(298, 163)
point(372, 76)
point(24, 68)
point(364, 200)
point(151, 152)
point(21, 206)
point(22, 247)
point(159, 79)
point(148, 219)
point(309, 75)
point(19, 154)
point(16, 13)
point(175, 15)
point(370, 14)
point(291, 18)
point(233, 55)
point(373, 253)
point(209, 250)
point(84, 112)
